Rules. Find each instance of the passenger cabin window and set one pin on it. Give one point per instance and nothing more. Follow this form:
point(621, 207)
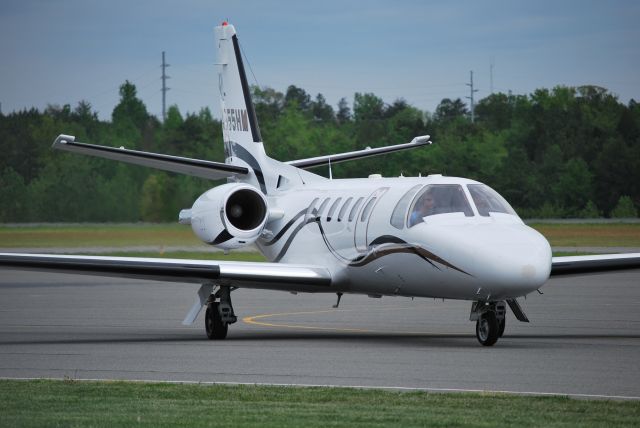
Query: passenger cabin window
point(354, 210)
point(400, 211)
point(312, 205)
point(488, 200)
point(343, 210)
point(367, 209)
point(323, 205)
point(439, 199)
point(333, 209)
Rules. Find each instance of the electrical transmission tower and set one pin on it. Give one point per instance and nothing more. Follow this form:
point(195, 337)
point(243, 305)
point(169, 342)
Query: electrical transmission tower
point(471, 97)
point(164, 88)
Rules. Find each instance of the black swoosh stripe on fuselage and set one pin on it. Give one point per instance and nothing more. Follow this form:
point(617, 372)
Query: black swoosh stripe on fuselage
point(286, 227)
point(394, 245)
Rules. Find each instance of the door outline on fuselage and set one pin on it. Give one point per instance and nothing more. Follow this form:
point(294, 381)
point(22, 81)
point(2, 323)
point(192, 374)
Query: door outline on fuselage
point(361, 227)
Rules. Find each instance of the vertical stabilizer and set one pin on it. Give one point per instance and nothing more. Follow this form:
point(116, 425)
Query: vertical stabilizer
point(241, 134)
point(240, 128)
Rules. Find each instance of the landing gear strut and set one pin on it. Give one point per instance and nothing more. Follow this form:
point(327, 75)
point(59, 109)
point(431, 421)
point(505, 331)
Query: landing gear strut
point(490, 321)
point(219, 314)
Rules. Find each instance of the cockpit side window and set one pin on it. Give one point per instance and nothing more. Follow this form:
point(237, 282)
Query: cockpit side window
point(439, 199)
point(488, 200)
point(400, 211)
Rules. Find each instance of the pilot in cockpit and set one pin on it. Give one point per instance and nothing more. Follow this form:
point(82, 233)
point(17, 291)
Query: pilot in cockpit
point(425, 206)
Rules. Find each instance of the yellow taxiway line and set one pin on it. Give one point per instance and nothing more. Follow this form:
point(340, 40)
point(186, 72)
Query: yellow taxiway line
point(257, 320)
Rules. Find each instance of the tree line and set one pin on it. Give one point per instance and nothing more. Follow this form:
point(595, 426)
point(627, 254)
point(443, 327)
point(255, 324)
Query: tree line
point(564, 152)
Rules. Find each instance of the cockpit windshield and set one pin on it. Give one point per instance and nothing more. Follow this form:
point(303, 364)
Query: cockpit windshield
point(439, 199)
point(488, 200)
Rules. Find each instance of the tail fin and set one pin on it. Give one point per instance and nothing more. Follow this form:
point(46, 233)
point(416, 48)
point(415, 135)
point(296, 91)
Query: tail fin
point(242, 140)
point(240, 128)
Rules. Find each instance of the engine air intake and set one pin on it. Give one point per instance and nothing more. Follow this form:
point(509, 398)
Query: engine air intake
point(245, 209)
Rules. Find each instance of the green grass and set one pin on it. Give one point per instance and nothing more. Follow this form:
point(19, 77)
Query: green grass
point(165, 235)
point(97, 235)
point(569, 253)
point(591, 235)
point(112, 404)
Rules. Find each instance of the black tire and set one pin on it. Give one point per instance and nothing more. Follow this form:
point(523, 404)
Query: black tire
point(216, 329)
point(487, 329)
point(501, 326)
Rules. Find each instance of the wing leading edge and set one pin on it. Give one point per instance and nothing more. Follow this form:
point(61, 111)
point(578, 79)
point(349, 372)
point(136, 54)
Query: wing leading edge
point(274, 276)
point(188, 166)
point(575, 265)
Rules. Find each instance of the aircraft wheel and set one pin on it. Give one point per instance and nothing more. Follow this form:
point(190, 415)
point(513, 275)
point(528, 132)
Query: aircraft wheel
point(216, 329)
point(487, 329)
point(501, 326)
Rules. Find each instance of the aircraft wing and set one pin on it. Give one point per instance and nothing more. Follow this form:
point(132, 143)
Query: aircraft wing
point(196, 167)
point(343, 157)
point(572, 265)
point(275, 276)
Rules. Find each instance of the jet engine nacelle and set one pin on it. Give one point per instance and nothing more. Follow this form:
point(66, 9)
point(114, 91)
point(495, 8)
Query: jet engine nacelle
point(229, 216)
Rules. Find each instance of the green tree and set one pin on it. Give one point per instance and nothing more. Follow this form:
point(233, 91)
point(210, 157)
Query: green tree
point(573, 189)
point(322, 112)
point(344, 112)
point(624, 208)
point(297, 97)
point(13, 196)
point(449, 110)
point(131, 119)
point(590, 211)
point(157, 193)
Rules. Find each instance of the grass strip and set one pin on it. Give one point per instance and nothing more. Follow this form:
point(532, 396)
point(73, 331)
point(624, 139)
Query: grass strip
point(591, 235)
point(113, 404)
point(170, 234)
point(97, 235)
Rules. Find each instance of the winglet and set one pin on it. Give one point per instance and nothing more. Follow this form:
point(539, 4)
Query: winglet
point(63, 139)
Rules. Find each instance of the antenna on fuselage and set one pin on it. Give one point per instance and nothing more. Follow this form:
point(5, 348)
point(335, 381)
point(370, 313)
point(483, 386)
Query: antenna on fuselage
point(330, 173)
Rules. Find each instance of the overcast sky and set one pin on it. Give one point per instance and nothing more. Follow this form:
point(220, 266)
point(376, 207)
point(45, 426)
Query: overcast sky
point(64, 51)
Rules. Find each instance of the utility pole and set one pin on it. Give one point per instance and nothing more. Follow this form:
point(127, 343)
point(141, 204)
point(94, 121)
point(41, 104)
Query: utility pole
point(471, 97)
point(164, 88)
point(491, 78)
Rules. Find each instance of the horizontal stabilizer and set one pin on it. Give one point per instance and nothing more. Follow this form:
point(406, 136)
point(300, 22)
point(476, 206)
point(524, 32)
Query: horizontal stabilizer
point(195, 167)
point(274, 276)
point(572, 265)
point(343, 157)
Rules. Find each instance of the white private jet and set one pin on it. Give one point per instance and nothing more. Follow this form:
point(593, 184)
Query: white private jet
point(434, 236)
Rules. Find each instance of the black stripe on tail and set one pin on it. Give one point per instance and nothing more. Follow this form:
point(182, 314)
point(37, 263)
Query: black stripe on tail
point(253, 121)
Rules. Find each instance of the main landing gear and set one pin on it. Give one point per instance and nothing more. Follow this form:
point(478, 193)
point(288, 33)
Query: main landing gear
point(490, 318)
point(219, 314)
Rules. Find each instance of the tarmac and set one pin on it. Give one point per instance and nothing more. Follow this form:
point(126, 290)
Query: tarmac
point(583, 339)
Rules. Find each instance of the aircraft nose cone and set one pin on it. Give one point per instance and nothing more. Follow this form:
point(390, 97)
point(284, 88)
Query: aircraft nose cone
point(513, 261)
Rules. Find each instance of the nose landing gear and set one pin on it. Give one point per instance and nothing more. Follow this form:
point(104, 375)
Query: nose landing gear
point(490, 321)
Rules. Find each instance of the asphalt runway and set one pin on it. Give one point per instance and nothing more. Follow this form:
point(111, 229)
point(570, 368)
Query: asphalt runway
point(584, 337)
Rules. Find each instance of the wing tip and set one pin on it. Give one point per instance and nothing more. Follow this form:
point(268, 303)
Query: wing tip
point(63, 139)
